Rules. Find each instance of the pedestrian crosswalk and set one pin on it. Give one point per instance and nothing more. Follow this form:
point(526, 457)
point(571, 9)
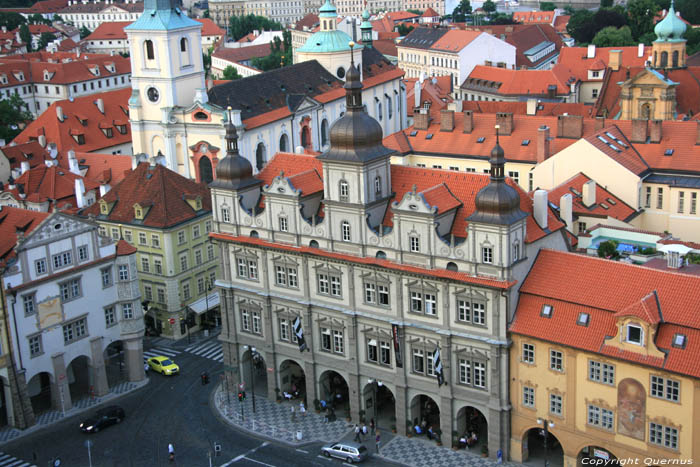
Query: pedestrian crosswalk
point(7, 460)
point(155, 352)
point(211, 350)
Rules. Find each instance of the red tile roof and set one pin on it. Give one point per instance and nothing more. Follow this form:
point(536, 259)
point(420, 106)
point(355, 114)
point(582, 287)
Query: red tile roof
point(44, 183)
point(124, 248)
point(455, 40)
point(102, 168)
point(533, 16)
point(542, 109)
point(400, 15)
point(575, 59)
point(560, 24)
point(386, 47)
point(435, 90)
point(608, 290)
point(430, 13)
point(31, 152)
point(517, 82)
point(12, 220)
point(462, 186)
point(162, 189)
point(440, 197)
point(47, 6)
point(622, 152)
point(241, 54)
point(308, 182)
point(209, 27)
point(616, 208)
point(109, 31)
point(436, 273)
point(310, 21)
point(116, 108)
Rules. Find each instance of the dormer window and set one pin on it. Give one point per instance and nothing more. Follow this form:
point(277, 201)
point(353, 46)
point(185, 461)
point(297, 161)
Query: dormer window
point(583, 319)
point(121, 129)
point(3, 78)
point(414, 243)
point(104, 208)
point(138, 212)
point(47, 75)
point(547, 311)
point(344, 190)
point(108, 132)
point(679, 341)
point(634, 334)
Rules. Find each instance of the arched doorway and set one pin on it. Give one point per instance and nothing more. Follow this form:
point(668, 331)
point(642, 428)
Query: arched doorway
point(78, 374)
point(380, 405)
point(334, 390)
point(471, 422)
point(254, 374)
point(115, 365)
point(292, 381)
point(205, 170)
point(533, 446)
point(425, 412)
point(39, 391)
point(260, 156)
point(595, 455)
point(646, 111)
point(284, 143)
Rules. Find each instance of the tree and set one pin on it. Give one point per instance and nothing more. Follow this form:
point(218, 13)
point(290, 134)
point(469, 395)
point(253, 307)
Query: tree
point(608, 249)
point(548, 6)
point(11, 20)
point(692, 35)
point(501, 18)
point(689, 9)
point(206, 13)
point(231, 73)
point(641, 15)
point(461, 11)
point(415, 12)
point(606, 3)
point(36, 18)
point(13, 115)
point(583, 24)
point(84, 32)
point(206, 62)
point(44, 40)
point(404, 29)
point(614, 37)
point(26, 36)
point(489, 6)
point(240, 26)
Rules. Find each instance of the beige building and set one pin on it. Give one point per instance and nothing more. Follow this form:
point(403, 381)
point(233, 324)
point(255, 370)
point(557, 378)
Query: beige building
point(221, 11)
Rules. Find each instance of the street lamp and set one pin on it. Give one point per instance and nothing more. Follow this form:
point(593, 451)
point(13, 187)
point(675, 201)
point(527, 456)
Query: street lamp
point(253, 355)
point(375, 388)
point(547, 424)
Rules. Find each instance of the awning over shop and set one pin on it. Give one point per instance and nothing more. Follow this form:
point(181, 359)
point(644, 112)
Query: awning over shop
point(205, 304)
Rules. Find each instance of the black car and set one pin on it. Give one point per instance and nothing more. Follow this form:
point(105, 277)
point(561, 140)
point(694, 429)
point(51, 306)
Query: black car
point(102, 419)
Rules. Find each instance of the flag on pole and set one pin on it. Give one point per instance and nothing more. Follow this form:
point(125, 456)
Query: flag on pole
point(437, 365)
point(299, 332)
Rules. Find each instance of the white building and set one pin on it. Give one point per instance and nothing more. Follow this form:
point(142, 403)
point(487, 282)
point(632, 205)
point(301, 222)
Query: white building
point(75, 305)
point(92, 14)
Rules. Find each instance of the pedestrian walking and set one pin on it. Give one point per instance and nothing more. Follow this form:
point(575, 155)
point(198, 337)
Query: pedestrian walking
point(372, 426)
point(171, 452)
point(302, 409)
point(357, 433)
point(378, 441)
point(364, 431)
point(294, 418)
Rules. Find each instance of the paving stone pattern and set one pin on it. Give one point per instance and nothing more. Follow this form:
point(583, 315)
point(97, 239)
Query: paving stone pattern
point(419, 452)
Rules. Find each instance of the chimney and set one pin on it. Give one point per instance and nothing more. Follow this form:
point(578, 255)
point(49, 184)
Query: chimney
point(468, 123)
point(447, 120)
point(566, 211)
point(59, 113)
point(599, 123)
point(674, 260)
point(532, 106)
point(543, 143)
point(100, 105)
point(73, 163)
point(588, 192)
point(591, 51)
point(505, 122)
point(640, 50)
point(615, 60)
point(80, 192)
point(639, 130)
point(104, 189)
point(42, 140)
point(655, 131)
point(421, 120)
point(416, 93)
point(25, 166)
point(569, 126)
point(540, 208)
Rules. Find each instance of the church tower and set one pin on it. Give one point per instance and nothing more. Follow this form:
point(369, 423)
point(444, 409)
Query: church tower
point(669, 47)
point(165, 46)
point(356, 168)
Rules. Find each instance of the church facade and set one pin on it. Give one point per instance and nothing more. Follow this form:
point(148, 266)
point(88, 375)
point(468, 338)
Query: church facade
point(180, 123)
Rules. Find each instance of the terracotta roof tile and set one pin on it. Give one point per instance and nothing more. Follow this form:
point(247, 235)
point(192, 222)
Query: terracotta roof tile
point(241, 54)
point(614, 144)
point(209, 27)
point(308, 182)
point(646, 309)
point(517, 82)
point(440, 197)
point(679, 360)
point(543, 109)
point(124, 248)
point(560, 23)
point(50, 183)
point(113, 30)
point(617, 209)
point(31, 152)
point(576, 59)
point(454, 40)
point(533, 16)
point(430, 13)
point(11, 220)
point(310, 21)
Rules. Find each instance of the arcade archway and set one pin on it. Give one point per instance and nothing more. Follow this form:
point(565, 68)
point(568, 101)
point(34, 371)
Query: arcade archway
point(115, 364)
point(473, 426)
point(380, 405)
point(591, 455)
point(39, 391)
point(78, 374)
point(292, 381)
point(534, 452)
point(253, 372)
point(425, 413)
point(334, 390)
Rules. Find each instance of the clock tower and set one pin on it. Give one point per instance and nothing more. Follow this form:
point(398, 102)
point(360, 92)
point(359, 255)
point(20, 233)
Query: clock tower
point(165, 46)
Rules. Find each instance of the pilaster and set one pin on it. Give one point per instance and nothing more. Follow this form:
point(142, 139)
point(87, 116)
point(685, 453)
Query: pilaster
point(60, 391)
point(133, 356)
point(98, 372)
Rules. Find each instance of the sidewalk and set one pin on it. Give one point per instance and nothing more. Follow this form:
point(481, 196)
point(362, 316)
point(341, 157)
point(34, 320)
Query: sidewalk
point(273, 420)
point(51, 417)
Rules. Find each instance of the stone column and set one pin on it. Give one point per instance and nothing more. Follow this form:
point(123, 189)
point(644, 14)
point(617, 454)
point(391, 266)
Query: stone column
point(446, 419)
point(98, 373)
point(9, 408)
point(133, 356)
point(570, 461)
point(496, 420)
point(310, 378)
point(401, 409)
point(22, 410)
point(270, 362)
point(354, 397)
point(60, 392)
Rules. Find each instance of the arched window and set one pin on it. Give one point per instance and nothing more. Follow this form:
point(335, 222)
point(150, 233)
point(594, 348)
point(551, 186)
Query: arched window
point(150, 54)
point(389, 109)
point(324, 132)
point(183, 44)
point(284, 143)
point(452, 267)
point(344, 190)
point(260, 156)
point(380, 255)
point(646, 112)
point(345, 231)
point(305, 137)
point(674, 59)
point(313, 244)
point(664, 60)
point(378, 184)
point(379, 111)
point(205, 170)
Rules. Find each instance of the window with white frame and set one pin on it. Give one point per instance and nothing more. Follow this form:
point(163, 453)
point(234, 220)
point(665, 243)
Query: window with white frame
point(487, 255)
point(251, 320)
point(183, 262)
point(225, 214)
point(142, 239)
point(345, 231)
point(516, 251)
point(376, 293)
point(329, 284)
point(418, 361)
point(29, 304)
point(62, 259)
point(666, 436)
point(155, 241)
point(83, 253)
point(210, 252)
point(106, 274)
point(160, 293)
point(181, 237)
point(634, 334)
point(186, 293)
point(472, 373)
point(471, 311)
point(601, 372)
point(555, 404)
point(414, 243)
point(326, 340)
point(284, 224)
point(384, 352)
point(515, 176)
point(665, 388)
point(378, 184)
point(528, 353)
point(127, 310)
point(344, 190)
point(148, 292)
point(70, 290)
point(528, 396)
point(158, 265)
point(600, 417)
point(424, 302)
point(123, 272)
point(556, 360)
point(145, 264)
point(247, 268)
point(207, 227)
point(40, 266)
point(286, 329)
point(198, 257)
point(36, 347)
point(196, 231)
point(74, 330)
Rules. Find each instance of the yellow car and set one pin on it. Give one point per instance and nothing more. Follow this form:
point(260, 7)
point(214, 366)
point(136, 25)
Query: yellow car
point(163, 365)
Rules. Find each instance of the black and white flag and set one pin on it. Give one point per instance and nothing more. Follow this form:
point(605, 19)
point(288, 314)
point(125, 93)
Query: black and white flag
point(299, 332)
point(437, 365)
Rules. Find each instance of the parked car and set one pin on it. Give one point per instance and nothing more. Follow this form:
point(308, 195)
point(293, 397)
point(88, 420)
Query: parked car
point(163, 365)
point(102, 419)
point(349, 452)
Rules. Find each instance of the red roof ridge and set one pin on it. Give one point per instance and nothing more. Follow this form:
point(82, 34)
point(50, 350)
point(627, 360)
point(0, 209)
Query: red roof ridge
point(648, 309)
point(125, 248)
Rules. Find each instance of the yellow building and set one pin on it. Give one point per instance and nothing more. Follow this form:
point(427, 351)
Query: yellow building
point(604, 363)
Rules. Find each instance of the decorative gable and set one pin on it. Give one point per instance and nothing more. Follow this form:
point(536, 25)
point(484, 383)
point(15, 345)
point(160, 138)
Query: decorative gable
point(281, 185)
point(637, 326)
point(414, 202)
point(56, 227)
